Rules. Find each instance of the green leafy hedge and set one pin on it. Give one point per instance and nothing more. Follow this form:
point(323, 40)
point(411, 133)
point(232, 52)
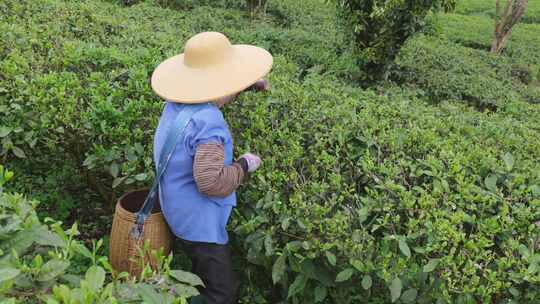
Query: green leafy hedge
point(446, 71)
point(408, 198)
point(43, 263)
point(522, 47)
point(363, 196)
point(487, 7)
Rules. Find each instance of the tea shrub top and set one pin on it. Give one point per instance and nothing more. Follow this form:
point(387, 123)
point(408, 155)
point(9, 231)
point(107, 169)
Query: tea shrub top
point(425, 189)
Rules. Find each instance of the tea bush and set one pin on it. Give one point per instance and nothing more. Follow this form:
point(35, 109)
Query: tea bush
point(42, 262)
point(446, 71)
point(532, 94)
point(430, 203)
point(522, 47)
point(377, 196)
point(487, 7)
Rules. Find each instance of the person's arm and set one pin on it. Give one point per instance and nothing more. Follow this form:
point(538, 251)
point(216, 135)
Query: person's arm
point(212, 177)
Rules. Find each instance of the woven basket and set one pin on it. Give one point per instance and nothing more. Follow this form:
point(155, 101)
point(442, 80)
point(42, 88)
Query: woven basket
point(124, 251)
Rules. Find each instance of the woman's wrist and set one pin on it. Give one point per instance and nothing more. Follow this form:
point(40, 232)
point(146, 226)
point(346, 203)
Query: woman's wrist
point(244, 164)
point(260, 85)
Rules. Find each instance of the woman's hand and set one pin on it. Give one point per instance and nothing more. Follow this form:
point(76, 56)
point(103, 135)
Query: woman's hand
point(260, 85)
point(253, 161)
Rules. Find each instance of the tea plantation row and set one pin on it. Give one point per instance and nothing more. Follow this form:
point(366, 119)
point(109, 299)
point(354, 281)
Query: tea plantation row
point(424, 189)
point(487, 7)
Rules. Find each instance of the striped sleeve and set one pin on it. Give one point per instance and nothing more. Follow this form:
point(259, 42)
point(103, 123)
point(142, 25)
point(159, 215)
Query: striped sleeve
point(212, 177)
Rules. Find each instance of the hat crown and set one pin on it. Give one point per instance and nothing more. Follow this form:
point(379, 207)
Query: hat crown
point(207, 49)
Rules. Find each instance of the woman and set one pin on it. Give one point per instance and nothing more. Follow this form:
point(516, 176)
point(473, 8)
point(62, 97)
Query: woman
point(197, 190)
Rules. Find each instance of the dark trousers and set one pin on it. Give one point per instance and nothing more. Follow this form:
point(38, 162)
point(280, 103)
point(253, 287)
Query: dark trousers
point(213, 264)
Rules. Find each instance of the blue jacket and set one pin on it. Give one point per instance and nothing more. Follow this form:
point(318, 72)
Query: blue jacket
point(191, 215)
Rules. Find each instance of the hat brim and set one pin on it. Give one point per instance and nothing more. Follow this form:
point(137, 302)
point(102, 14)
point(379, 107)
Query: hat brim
point(174, 81)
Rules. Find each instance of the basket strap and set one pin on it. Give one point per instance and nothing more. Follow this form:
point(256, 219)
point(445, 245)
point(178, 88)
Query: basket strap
point(174, 134)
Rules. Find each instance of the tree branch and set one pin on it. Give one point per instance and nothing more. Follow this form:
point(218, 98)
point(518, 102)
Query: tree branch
point(505, 21)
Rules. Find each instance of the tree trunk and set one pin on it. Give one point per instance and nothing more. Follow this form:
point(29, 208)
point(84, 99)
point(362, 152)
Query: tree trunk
point(499, 43)
point(504, 41)
point(505, 22)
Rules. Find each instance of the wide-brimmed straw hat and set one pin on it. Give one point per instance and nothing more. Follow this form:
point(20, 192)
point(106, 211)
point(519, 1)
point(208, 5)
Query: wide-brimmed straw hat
point(210, 68)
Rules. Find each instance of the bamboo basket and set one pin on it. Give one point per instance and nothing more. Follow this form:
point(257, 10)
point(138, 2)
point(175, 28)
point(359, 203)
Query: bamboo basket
point(124, 251)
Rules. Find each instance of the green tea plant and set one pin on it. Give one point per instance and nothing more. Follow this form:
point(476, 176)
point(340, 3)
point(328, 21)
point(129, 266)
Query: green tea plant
point(5, 176)
point(446, 71)
point(521, 48)
point(487, 7)
point(531, 93)
point(43, 262)
point(381, 198)
point(404, 192)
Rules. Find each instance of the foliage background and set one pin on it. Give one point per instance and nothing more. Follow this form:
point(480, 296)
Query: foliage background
point(422, 188)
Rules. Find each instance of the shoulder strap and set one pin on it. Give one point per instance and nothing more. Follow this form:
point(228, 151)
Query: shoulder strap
point(174, 134)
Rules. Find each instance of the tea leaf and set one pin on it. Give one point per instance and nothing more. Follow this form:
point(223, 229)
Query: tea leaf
point(149, 295)
point(395, 289)
point(117, 181)
point(95, 276)
point(344, 275)
point(139, 148)
point(508, 161)
point(409, 295)
point(285, 223)
point(185, 291)
point(357, 265)
point(47, 238)
point(404, 247)
point(141, 177)
point(524, 251)
point(268, 245)
point(297, 286)
point(491, 182)
point(4, 131)
point(20, 242)
point(331, 258)
point(9, 273)
point(514, 291)
point(18, 152)
point(366, 282)
point(320, 293)
point(431, 265)
point(186, 277)
point(279, 268)
point(114, 170)
point(52, 269)
point(72, 280)
point(9, 175)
